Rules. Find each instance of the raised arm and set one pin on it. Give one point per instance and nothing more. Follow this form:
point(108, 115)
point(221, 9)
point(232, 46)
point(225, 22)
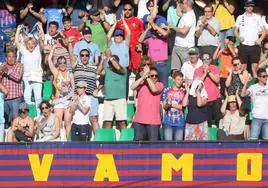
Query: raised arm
point(163, 32)
point(116, 65)
point(110, 34)
point(127, 31)
point(143, 35)
point(224, 104)
point(165, 5)
point(137, 83)
point(51, 65)
point(229, 7)
point(17, 40)
point(3, 89)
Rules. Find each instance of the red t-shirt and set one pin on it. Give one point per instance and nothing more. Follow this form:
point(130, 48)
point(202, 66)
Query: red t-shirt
point(72, 32)
point(136, 27)
point(210, 86)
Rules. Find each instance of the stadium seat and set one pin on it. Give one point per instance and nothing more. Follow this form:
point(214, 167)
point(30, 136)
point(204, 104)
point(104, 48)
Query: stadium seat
point(105, 134)
point(32, 110)
point(161, 133)
point(130, 112)
point(127, 134)
point(212, 133)
point(47, 90)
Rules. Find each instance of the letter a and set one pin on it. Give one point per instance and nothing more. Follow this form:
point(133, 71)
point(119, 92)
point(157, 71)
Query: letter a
point(106, 168)
point(40, 170)
point(242, 167)
point(184, 163)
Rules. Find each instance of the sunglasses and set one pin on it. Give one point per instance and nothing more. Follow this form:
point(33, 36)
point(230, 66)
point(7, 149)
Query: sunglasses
point(45, 107)
point(84, 55)
point(206, 58)
point(154, 76)
point(97, 14)
point(23, 111)
point(127, 9)
point(235, 65)
point(263, 76)
point(119, 35)
point(62, 62)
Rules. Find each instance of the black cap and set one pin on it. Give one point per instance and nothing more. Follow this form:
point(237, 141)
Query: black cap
point(249, 2)
point(86, 31)
point(93, 11)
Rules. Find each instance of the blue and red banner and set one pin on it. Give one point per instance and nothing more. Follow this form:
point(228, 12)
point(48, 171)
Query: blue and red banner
point(160, 165)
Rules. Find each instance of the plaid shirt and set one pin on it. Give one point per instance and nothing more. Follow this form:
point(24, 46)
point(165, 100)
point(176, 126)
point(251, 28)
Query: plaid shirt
point(13, 81)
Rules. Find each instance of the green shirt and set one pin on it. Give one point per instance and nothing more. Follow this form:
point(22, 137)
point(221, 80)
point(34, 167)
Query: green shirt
point(115, 84)
point(98, 35)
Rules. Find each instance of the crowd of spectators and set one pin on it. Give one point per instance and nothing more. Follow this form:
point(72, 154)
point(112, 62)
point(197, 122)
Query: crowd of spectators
point(196, 65)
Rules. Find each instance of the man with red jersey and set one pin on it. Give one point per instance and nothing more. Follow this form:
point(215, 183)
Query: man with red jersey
point(136, 27)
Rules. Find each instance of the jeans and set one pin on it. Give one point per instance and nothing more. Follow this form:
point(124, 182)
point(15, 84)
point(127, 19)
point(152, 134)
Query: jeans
point(12, 108)
point(257, 126)
point(162, 68)
point(36, 87)
point(173, 133)
point(143, 130)
point(225, 33)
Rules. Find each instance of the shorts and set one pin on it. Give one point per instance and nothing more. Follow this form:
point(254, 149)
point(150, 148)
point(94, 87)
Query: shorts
point(94, 107)
point(62, 105)
point(249, 54)
point(117, 107)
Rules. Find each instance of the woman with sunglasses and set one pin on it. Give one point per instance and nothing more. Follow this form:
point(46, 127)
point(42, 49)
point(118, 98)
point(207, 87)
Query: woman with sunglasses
point(48, 127)
point(64, 85)
point(147, 120)
point(263, 63)
point(22, 129)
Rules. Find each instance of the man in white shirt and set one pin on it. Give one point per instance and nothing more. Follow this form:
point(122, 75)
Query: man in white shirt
point(259, 97)
point(208, 28)
point(185, 32)
point(247, 28)
point(80, 130)
point(190, 66)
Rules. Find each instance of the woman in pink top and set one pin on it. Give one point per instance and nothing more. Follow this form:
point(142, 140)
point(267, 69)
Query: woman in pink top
point(147, 119)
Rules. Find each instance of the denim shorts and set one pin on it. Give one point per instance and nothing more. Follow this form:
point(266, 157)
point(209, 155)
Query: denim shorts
point(94, 108)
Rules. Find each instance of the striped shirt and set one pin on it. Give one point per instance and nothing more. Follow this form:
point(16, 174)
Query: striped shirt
point(13, 80)
point(7, 19)
point(88, 74)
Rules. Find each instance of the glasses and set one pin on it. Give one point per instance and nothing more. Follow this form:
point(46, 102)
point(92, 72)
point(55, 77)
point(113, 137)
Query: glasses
point(80, 87)
point(265, 49)
point(154, 76)
point(206, 58)
point(84, 55)
point(23, 111)
point(118, 35)
point(235, 65)
point(263, 76)
point(127, 9)
point(97, 14)
point(45, 107)
point(62, 62)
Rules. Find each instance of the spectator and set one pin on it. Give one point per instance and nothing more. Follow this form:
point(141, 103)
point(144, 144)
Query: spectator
point(3, 38)
point(196, 127)
point(119, 46)
point(249, 26)
point(48, 126)
point(87, 71)
point(233, 124)
point(99, 26)
point(210, 75)
point(115, 103)
point(259, 97)
point(11, 74)
point(189, 67)
point(136, 27)
point(226, 56)
point(263, 63)
point(53, 32)
point(22, 129)
point(31, 59)
point(184, 35)
point(147, 119)
point(3, 93)
point(29, 14)
point(142, 8)
point(224, 12)
point(86, 43)
point(157, 49)
point(208, 28)
point(172, 103)
point(64, 86)
point(236, 78)
point(72, 34)
point(81, 109)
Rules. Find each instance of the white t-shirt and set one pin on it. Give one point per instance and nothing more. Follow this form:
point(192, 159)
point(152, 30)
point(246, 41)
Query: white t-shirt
point(49, 40)
point(264, 23)
point(32, 64)
point(259, 97)
point(187, 19)
point(188, 70)
point(249, 28)
point(142, 9)
point(79, 118)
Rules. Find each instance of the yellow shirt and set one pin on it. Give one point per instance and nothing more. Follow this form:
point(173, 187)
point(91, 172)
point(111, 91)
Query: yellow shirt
point(226, 18)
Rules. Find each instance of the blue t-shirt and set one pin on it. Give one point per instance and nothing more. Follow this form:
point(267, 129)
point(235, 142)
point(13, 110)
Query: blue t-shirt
point(122, 51)
point(172, 116)
point(91, 46)
point(54, 14)
point(3, 37)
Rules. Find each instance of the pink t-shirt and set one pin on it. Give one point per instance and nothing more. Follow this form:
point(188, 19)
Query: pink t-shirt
point(148, 111)
point(157, 49)
point(210, 86)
